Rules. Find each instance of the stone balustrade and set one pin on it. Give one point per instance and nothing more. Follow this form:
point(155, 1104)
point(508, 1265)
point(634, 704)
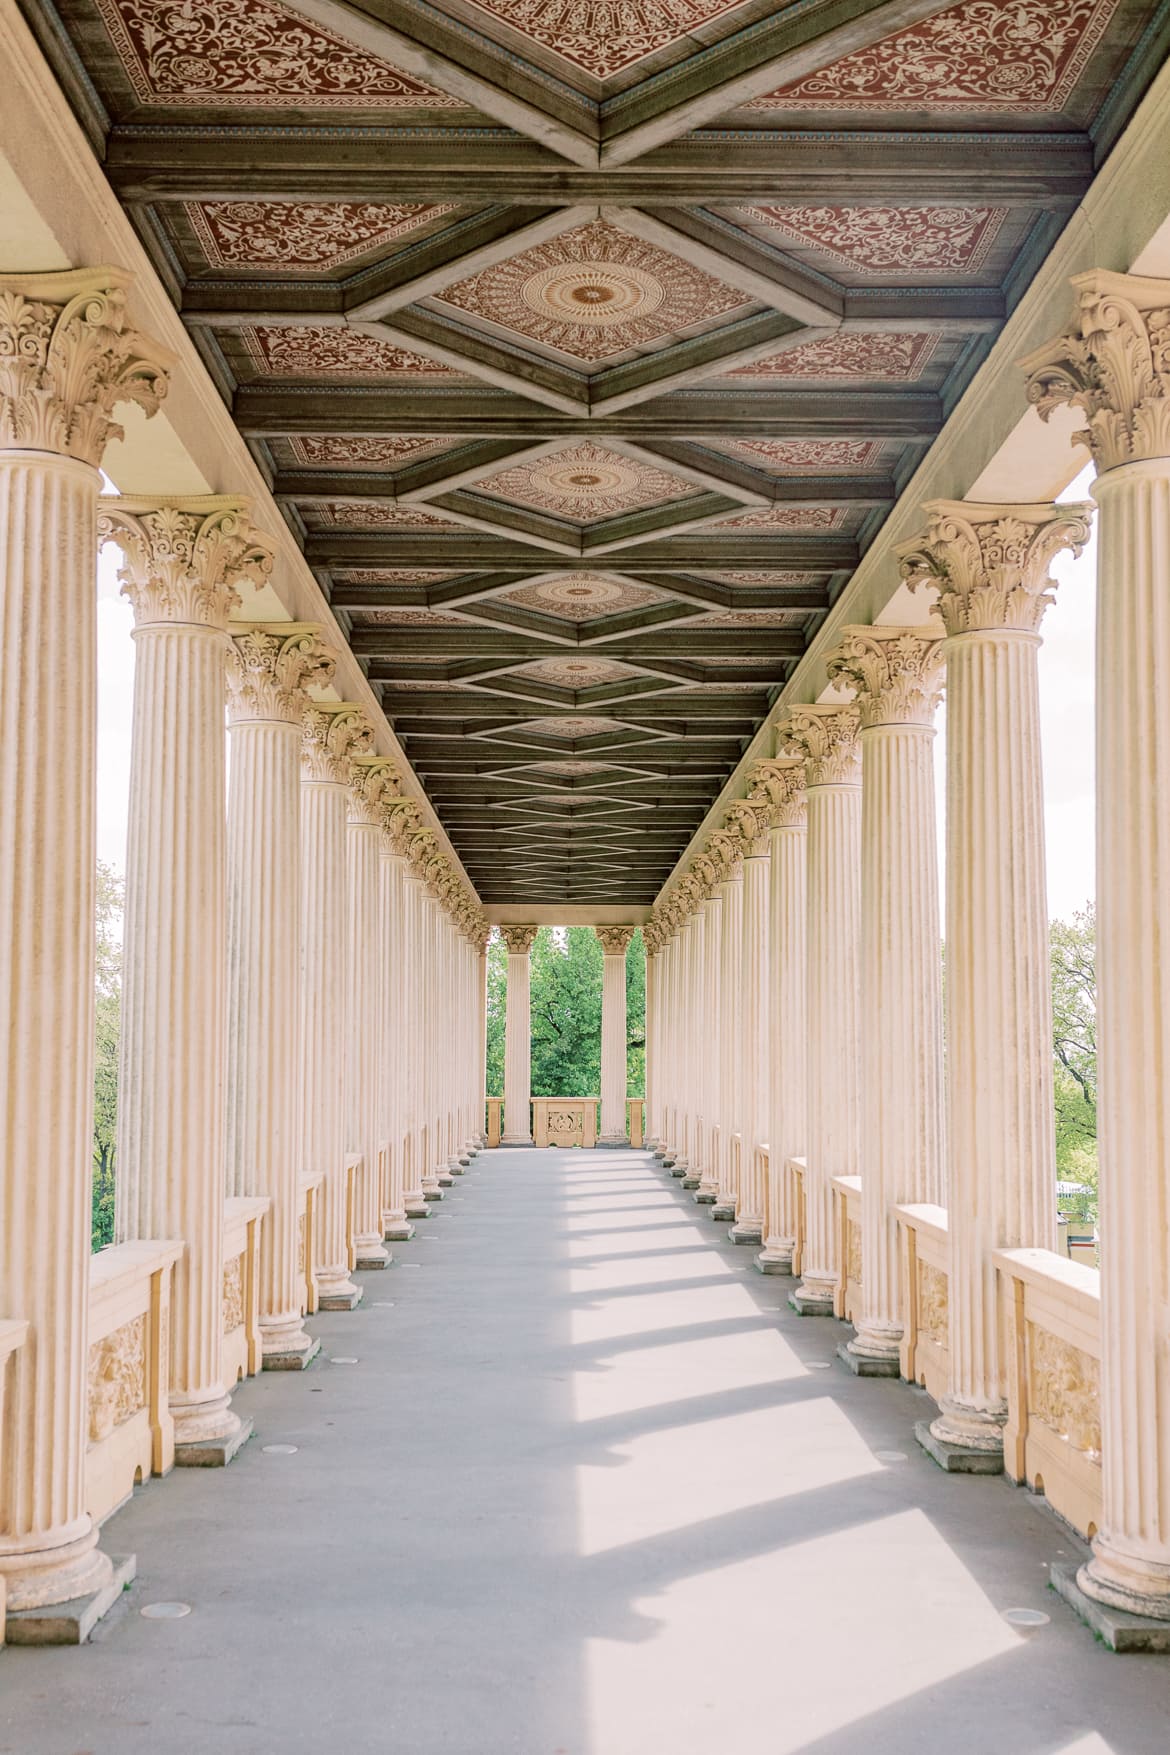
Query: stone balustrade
point(308, 1220)
point(243, 1216)
point(131, 1432)
point(564, 1121)
point(847, 1222)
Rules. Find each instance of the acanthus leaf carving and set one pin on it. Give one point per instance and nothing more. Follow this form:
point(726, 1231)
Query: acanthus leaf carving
point(184, 557)
point(615, 940)
point(726, 849)
point(401, 818)
point(332, 734)
point(990, 564)
point(372, 780)
point(519, 939)
point(896, 673)
point(270, 669)
point(826, 737)
point(777, 785)
point(117, 1378)
point(750, 822)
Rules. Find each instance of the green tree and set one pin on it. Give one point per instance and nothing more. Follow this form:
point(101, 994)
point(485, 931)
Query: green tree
point(108, 996)
point(497, 992)
point(636, 1017)
point(1073, 949)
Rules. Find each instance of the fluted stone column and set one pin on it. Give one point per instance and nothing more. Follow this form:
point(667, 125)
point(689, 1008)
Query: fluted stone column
point(615, 942)
point(666, 1036)
point(706, 1189)
point(332, 734)
point(1114, 365)
point(827, 737)
point(897, 676)
point(399, 819)
point(269, 672)
point(729, 850)
point(373, 780)
point(182, 561)
point(517, 1037)
point(652, 939)
point(414, 1195)
point(684, 1121)
point(687, 1167)
point(787, 992)
point(990, 565)
point(68, 356)
point(751, 820)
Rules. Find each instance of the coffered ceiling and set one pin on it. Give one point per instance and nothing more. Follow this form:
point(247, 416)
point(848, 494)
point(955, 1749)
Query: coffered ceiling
point(587, 343)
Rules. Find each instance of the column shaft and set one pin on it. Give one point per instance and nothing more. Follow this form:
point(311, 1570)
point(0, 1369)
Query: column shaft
point(518, 1038)
point(615, 942)
point(751, 1195)
point(731, 1035)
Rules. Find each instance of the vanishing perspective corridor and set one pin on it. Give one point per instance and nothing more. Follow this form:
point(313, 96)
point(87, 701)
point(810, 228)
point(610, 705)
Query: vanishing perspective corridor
point(574, 1480)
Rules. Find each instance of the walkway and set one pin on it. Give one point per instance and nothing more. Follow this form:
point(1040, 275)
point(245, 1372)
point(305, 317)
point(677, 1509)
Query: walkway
point(589, 1489)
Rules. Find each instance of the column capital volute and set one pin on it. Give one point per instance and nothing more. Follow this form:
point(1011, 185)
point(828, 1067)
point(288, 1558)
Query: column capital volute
point(896, 673)
point(68, 357)
point(332, 734)
point(749, 821)
point(690, 894)
point(519, 939)
point(372, 780)
point(184, 556)
point(270, 668)
point(1113, 361)
point(825, 736)
point(400, 818)
point(615, 940)
point(726, 849)
point(990, 563)
point(778, 784)
point(706, 869)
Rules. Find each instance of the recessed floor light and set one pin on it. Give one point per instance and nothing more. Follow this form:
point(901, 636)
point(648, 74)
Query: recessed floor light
point(342, 1359)
point(1026, 1617)
point(890, 1455)
point(279, 1449)
point(818, 1365)
point(164, 1611)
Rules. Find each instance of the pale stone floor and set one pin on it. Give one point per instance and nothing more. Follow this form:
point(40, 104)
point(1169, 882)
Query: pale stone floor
point(584, 1493)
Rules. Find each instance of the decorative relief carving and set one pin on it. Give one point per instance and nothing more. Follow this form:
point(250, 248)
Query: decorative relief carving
point(777, 786)
point(615, 940)
point(726, 849)
point(1114, 362)
point(184, 557)
point(1064, 1390)
point(786, 518)
point(875, 240)
point(332, 351)
point(581, 597)
point(566, 1126)
point(67, 358)
point(826, 737)
point(853, 1252)
point(332, 735)
point(305, 235)
point(401, 819)
point(271, 668)
point(750, 823)
point(585, 483)
point(117, 1378)
point(371, 515)
point(897, 673)
point(300, 1243)
point(373, 780)
point(852, 353)
point(934, 1317)
point(990, 563)
point(806, 456)
point(364, 451)
point(519, 939)
point(233, 1293)
point(577, 673)
point(606, 39)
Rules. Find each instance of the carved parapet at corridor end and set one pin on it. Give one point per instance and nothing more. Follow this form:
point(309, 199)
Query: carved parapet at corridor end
point(825, 737)
point(519, 939)
point(333, 733)
point(1114, 362)
point(372, 779)
point(184, 557)
point(615, 940)
point(271, 667)
point(990, 564)
point(896, 673)
point(68, 357)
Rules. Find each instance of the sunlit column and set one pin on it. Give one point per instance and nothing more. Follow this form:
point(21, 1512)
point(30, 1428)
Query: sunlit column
point(667, 1038)
point(399, 818)
point(787, 996)
point(1115, 366)
point(67, 358)
point(372, 780)
point(693, 1066)
point(896, 674)
point(615, 942)
point(479, 998)
point(517, 1037)
point(684, 1123)
point(706, 1189)
point(827, 737)
point(332, 734)
point(990, 565)
point(414, 1196)
point(751, 820)
point(270, 670)
point(728, 849)
point(651, 938)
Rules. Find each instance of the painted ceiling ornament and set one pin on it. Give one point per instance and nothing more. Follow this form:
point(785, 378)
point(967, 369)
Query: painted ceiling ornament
point(315, 350)
point(394, 575)
point(758, 577)
point(875, 355)
point(68, 357)
point(577, 673)
point(581, 597)
point(585, 483)
point(519, 939)
point(604, 37)
point(340, 451)
point(271, 667)
point(1114, 363)
point(990, 564)
point(304, 235)
point(572, 725)
point(751, 618)
point(1021, 57)
point(372, 780)
point(253, 54)
point(896, 673)
point(806, 456)
point(785, 518)
point(826, 737)
point(875, 240)
point(375, 515)
point(185, 557)
point(615, 940)
point(594, 291)
point(333, 733)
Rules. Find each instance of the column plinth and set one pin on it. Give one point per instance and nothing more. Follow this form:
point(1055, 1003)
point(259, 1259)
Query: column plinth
point(517, 1037)
point(615, 942)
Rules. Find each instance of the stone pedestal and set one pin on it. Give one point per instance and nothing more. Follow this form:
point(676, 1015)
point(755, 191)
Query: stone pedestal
point(183, 559)
point(269, 671)
point(517, 1037)
point(990, 567)
point(372, 780)
point(69, 357)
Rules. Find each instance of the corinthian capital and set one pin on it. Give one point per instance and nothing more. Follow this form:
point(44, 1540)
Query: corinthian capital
point(332, 734)
point(184, 557)
point(68, 357)
point(825, 737)
point(1114, 362)
point(271, 667)
point(750, 822)
point(372, 780)
point(990, 564)
point(896, 673)
point(401, 818)
point(615, 940)
point(519, 939)
point(726, 849)
point(778, 786)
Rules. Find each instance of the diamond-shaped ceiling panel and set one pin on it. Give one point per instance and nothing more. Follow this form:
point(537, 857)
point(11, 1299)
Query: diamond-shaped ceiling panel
point(585, 484)
point(604, 37)
point(577, 673)
point(311, 236)
point(581, 597)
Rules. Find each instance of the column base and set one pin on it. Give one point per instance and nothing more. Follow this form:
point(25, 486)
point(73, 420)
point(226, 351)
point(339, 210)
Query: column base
point(72, 1622)
point(692, 1181)
point(515, 1139)
point(667, 1159)
point(446, 1180)
point(704, 1197)
point(613, 1139)
point(432, 1194)
point(416, 1205)
point(369, 1254)
point(957, 1459)
point(723, 1211)
point(811, 1301)
point(397, 1230)
point(291, 1358)
point(344, 1297)
point(680, 1170)
point(1118, 1628)
point(774, 1261)
point(744, 1231)
point(214, 1453)
point(867, 1365)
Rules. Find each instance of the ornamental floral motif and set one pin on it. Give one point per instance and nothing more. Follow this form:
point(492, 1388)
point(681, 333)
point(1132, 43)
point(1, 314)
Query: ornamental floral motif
point(270, 670)
point(373, 781)
point(777, 786)
point(341, 452)
point(333, 351)
point(1064, 1390)
point(750, 823)
point(576, 673)
point(896, 672)
point(594, 291)
point(332, 736)
point(990, 564)
point(370, 515)
point(401, 819)
point(581, 597)
point(571, 726)
point(786, 518)
point(233, 1293)
point(117, 1378)
point(615, 940)
point(751, 618)
point(305, 235)
point(519, 939)
point(606, 36)
point(826, 737)
point(393, 576)
point(888, 240)
point(751, 577)
point(853, 1252)
point(405, 614)
point(585, 483)
point(67, 358)
point(252, 54)
point(805, 456)
point(1016, 56)
point(850, 353)
point(933, 1305)
point(184, 557)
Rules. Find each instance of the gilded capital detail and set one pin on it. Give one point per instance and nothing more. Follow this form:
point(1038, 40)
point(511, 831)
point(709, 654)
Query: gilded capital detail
point(332, 734)
point(1113, 362)
point(825, 736)
point(615, 940)
point(67, 358)
point(372, 780)
point(519, 939)
point(896, 673)
point(270, 668)
point(990, 564)
point(184, 557)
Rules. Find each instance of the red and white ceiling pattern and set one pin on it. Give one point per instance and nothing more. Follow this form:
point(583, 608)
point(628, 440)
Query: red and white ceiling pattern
point(604, 37)
point(883, 240)
point(806, 456)
point(311, 351)
point(312, 236)
point(884, 354)
point(581, 597)
point(340, 451)
point(585, 484)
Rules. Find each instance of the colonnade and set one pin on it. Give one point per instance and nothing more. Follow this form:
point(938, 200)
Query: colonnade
point(838, 826)
point(303, 985)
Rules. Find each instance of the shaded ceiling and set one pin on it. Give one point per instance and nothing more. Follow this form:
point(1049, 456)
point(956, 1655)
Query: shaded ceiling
point(587, 343)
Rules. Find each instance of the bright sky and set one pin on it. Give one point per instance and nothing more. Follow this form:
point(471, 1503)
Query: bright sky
point(1066, 708)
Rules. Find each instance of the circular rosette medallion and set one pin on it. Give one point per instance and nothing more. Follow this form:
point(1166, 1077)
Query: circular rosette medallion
point(596, 294)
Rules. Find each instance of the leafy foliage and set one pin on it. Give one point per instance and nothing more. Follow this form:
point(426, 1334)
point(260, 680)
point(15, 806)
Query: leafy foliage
point(107, 1009)
point(1073, 950)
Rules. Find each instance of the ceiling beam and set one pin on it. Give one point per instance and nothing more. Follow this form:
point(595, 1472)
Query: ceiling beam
point(466, 641)
point(465, 552)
